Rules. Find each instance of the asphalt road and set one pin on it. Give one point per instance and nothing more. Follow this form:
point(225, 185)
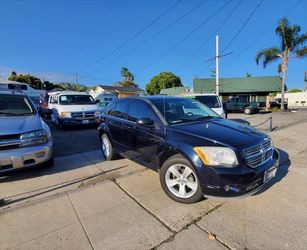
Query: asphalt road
point(73, 140)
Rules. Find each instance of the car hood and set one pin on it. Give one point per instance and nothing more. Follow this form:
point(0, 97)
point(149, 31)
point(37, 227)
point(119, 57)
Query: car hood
point(221, 131)
point(78, 108)
point(19, 124)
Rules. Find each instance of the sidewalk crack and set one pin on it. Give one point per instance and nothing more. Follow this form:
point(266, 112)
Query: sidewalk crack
point(216, 238)
point(79, 219)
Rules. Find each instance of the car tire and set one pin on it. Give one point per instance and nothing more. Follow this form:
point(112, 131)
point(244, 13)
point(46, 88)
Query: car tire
point(180, 181)
point(248, 110)
point(61, 125)
point(106, 148)
point(49, 163)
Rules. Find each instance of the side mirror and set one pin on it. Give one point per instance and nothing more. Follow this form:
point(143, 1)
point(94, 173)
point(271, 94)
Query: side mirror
point(97, 101)
point(145, 122)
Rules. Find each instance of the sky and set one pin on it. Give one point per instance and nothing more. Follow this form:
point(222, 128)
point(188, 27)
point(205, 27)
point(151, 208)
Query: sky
point(91, 40)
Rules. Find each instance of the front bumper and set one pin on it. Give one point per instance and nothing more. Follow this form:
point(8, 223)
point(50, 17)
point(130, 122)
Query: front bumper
point(72, 121)
point(13, 159)
point(236, 182)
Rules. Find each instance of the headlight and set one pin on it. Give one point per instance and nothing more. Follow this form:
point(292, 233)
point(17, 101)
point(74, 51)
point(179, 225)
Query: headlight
point(97, 113)
point(33, 138)
point(65, 114)
point(214, 156)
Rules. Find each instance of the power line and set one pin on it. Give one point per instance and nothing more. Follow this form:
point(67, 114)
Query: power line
point(235, 36)
point(185, 37)
point(152, 37)
point(261, 36)
point(213, 33)
point(243, 26)
point(131, 38)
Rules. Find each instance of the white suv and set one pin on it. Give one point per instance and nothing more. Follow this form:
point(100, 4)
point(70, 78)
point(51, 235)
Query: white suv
point(73, 108)
point(211, 100)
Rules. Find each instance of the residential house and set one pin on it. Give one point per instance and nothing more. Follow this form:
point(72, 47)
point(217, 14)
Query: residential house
point(117, 91)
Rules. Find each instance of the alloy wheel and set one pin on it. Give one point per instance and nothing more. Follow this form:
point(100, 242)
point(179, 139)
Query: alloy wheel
point(105, 145)
point(181, 181)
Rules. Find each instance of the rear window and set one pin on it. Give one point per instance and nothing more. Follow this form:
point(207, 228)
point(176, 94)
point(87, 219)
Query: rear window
point(209, 101)
point(11, 105)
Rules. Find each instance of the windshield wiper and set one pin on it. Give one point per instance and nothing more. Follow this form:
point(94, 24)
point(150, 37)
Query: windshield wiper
point(206, 117)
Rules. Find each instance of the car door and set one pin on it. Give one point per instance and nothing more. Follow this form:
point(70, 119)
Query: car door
point(230, 104)
point(142, 141)
point(115, 117)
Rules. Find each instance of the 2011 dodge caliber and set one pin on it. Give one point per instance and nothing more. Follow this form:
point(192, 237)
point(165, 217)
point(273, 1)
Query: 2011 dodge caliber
point(196, 152)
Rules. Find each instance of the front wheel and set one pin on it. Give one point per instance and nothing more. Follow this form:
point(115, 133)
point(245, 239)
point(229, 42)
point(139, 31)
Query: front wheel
point(106, 148)
point(179, 180)
point(247, 110)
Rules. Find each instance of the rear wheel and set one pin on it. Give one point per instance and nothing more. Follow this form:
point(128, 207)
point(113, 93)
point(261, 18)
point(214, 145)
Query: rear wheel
point(106, 148)
point(179, 180)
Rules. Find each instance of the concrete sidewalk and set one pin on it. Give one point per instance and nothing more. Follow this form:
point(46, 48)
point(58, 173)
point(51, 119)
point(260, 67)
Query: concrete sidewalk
point(127, 209)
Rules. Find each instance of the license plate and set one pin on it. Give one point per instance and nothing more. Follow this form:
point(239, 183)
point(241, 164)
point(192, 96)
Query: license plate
point(269, 174)
point(85, 121)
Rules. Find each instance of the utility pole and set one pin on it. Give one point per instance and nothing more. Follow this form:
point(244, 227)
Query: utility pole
point(77, 77)
point(217, 64)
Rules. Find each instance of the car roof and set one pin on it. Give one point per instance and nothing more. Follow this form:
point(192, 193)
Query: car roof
point(13, 92)
point(152, 98)
point(68, 93)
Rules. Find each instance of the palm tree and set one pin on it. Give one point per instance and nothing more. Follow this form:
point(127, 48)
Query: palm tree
point(292, 46)
point(72, 86)
point(128, 78)
point(127, 75)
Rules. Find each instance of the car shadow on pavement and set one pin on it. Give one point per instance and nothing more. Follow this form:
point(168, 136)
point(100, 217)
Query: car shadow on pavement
point(61, 164)
point(281, 172)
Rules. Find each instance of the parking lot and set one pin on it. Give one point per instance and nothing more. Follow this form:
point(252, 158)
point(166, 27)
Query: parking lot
point(96, 204)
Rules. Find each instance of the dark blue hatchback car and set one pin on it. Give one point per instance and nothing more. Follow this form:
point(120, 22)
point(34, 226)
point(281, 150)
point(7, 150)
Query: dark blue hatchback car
point(196, 152)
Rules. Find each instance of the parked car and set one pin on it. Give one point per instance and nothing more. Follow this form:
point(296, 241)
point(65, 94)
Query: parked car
point(196, 152)
point(238, 104)
point(276, 103)
point(211, 100)
point(43, 107)
point(73, 108)
point(25, 139)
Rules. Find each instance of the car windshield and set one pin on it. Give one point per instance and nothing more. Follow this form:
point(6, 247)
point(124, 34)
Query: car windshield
point(180, 110)
point(14, 105)
point(209, 101)
point(76, 99)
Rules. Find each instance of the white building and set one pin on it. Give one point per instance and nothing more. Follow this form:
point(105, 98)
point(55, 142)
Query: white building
point(298, 99)
point(117, 91)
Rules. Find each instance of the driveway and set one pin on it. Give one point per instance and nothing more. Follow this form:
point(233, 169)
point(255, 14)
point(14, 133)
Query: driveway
point(74, 140)
point(85, 202)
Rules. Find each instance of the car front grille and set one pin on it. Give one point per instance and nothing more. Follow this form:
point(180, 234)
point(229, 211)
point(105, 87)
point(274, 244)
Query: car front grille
point(259, 154)
point(83, 115)
point(9, 141)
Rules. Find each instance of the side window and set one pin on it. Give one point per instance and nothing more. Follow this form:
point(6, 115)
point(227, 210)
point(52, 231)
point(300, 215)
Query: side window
point(110, 109)
point(120, 110)
point(139, 110)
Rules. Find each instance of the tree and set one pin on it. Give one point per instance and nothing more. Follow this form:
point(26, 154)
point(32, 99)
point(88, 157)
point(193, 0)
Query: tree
point(292, 46)
point(33, 81)
point(128, 78)
point(294, 90)
point(72, 86)
point(162, 81)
